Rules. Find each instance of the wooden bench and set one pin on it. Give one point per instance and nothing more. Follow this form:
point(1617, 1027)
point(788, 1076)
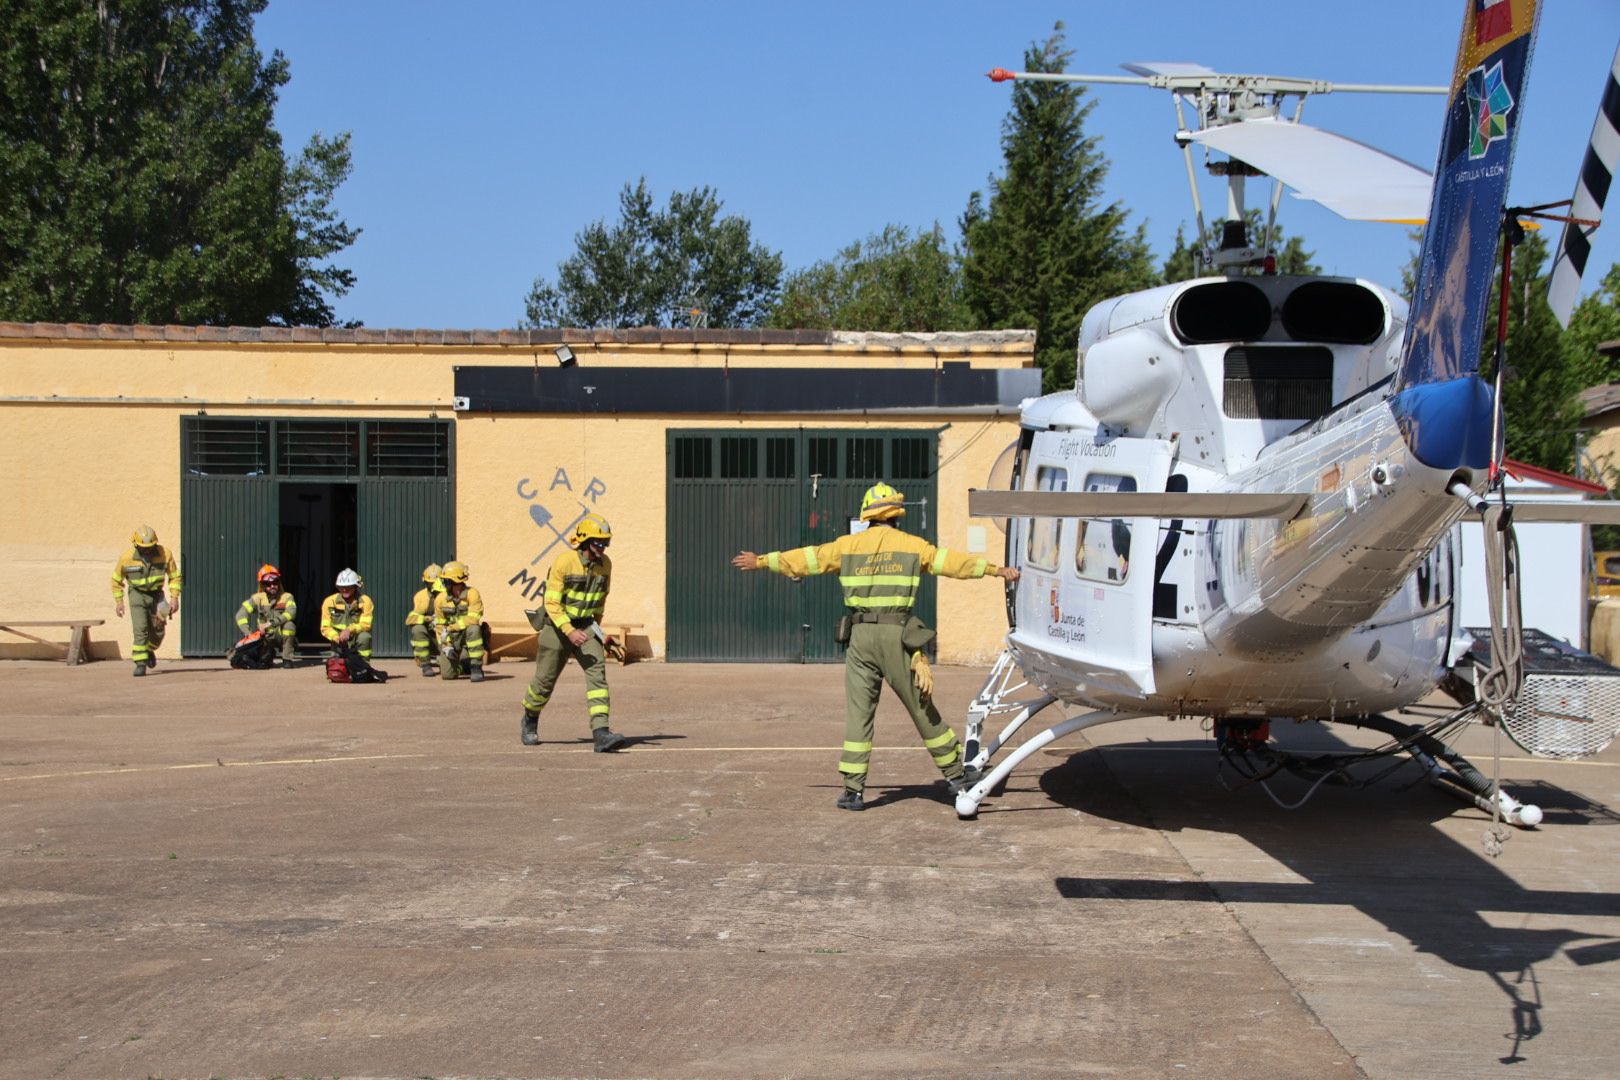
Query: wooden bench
point(78, 645)
point(525, 634)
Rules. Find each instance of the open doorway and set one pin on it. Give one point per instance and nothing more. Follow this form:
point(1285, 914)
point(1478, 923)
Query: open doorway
point(319, 537)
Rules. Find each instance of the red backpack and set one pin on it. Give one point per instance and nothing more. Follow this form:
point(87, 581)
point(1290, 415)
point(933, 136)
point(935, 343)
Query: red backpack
point(337, 669)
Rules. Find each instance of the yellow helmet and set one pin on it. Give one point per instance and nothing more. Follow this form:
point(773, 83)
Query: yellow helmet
point(882, 503)
point(454, 571)
point(590, 527)
point(431, 572)
point(143, 536)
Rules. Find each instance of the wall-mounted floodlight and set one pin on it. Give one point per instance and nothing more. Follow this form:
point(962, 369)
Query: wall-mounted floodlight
point(565, 356)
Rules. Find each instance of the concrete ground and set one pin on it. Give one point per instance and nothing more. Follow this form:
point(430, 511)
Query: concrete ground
point(221, 873)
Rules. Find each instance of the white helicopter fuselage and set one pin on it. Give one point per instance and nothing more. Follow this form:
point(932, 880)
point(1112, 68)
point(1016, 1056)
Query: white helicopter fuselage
point(1244, 385)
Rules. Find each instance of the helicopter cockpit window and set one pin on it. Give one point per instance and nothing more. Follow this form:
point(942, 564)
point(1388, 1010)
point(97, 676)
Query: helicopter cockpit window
point(1221, 311)
point(1046, 533)
point(1102, 551)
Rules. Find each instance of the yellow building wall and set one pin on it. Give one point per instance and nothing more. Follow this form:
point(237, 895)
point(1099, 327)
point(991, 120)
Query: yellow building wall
point(91, 450)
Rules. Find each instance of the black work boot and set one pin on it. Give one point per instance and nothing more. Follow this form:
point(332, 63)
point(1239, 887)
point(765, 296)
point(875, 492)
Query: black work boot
point(475, 673)
point(530, 731)
point(851, 800)
point(140, 668)
point(605, 741)
point(151, 663)
point(957, 784)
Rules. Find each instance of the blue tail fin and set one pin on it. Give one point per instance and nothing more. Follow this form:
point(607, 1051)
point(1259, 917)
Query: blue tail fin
point(1443, 406)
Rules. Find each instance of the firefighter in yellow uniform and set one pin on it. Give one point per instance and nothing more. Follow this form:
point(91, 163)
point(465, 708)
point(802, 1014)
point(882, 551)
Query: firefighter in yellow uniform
point(569, 625)
point(458, 617)
point(346, 616)
point(420, 620)
point(273, 611)
point(143, 570)
point(880, 570)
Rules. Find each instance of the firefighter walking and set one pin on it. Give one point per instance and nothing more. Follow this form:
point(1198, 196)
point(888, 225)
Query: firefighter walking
point(570, 629)
point(880, 569)
point(419, 623)
point(273, 612)
point(458, 621)
point(346, 616)
point(143, 571)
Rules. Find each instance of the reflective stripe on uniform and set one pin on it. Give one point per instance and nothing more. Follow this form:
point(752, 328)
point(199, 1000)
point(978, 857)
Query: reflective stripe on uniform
point(811, 561)
point(939, 559)
point(946, 738)
point(854, 768)
point(880, 601)
point(857, 747)
point(856, 581)
point(980, 566)
point(773, 562)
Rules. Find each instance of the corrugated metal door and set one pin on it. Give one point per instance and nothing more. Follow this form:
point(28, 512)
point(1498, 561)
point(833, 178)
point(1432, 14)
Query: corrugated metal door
point(240, 476)
point(766, 490)
point(404, 526)
point(229, 512)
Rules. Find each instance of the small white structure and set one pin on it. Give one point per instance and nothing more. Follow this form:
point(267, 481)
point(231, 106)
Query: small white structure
point(1552, 568)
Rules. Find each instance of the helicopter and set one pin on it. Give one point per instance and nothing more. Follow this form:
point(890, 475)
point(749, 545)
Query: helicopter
point(1247, 509)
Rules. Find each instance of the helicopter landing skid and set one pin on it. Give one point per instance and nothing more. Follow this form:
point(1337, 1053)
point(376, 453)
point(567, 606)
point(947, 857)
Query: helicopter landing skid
point(995, 700)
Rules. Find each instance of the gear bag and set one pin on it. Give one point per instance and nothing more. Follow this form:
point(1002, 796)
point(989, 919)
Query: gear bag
point(252, 653)
point(350, 667)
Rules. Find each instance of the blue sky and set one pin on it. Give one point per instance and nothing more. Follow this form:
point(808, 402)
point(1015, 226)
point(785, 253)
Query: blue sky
point(487, 134)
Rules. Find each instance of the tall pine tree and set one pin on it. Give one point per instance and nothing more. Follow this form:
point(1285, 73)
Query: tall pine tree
point(1042, 248)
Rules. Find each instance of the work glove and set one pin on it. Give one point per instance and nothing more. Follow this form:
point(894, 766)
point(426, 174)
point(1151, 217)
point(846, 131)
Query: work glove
point(922, 675)
point(614, 648)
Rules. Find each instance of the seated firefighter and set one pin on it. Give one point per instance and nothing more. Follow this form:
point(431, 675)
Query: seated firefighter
point(346, 616)
point(269, 618)
point(419, 622)
point(458, 616)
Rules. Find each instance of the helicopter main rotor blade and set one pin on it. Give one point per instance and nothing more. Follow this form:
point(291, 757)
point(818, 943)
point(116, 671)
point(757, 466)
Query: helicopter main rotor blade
point(1591, 188)
point(1352, 179)
point(1133, 504)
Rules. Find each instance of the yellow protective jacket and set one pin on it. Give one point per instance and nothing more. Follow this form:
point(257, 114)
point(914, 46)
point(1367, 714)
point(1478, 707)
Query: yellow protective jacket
point(421, 613)
point(135, 571)
point(450, 613)
point(338, 615)
point(577, 590)
point(879, 569)
point(260, 609)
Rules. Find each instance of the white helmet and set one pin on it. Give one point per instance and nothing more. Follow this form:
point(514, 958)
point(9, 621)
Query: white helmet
point(349, 577)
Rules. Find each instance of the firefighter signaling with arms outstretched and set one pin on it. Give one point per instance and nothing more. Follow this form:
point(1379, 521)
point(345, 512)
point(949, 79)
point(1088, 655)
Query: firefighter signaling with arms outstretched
point(880, 569)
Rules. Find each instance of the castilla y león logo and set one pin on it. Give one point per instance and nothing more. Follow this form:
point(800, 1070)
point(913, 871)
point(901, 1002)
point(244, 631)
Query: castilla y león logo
point(1488, 105)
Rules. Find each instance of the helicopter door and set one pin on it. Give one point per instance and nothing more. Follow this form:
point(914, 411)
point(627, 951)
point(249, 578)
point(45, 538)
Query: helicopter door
point(1087, 594)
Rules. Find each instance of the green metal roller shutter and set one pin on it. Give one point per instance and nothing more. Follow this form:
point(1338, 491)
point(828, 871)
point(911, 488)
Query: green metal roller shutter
point(771, 490)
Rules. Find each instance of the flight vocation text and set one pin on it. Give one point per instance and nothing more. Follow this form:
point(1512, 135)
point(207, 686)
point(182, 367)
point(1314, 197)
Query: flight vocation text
point(1079, 448)
point(555, 516)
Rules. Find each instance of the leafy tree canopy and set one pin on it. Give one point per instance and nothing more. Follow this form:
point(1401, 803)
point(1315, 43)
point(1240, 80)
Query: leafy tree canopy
point(684, 265)
point(141, 179)
point(893, 281)
point(1042, 248)
point(1292, 258)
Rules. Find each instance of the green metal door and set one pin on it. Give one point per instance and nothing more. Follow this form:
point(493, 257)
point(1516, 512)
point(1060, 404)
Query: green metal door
point(229, 524)
point(400, 476)
point(404, 526)
point(769, 490)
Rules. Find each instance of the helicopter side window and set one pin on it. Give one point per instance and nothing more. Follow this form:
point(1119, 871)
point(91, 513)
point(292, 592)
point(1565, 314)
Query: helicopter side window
point(1102, 552)
point(1046, 533)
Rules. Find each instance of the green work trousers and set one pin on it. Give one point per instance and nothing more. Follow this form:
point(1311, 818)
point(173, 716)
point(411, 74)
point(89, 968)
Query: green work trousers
point(462, 649)
point(422, 643)
point(552, 655)
point(874, 657)
point(144, 622)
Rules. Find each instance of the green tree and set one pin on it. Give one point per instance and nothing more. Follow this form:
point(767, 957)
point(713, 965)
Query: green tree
point(1042, 248)
point(683, 265)
point(1292, 258)
point(141, 179)
point(892, 281)
point(1539, 406)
